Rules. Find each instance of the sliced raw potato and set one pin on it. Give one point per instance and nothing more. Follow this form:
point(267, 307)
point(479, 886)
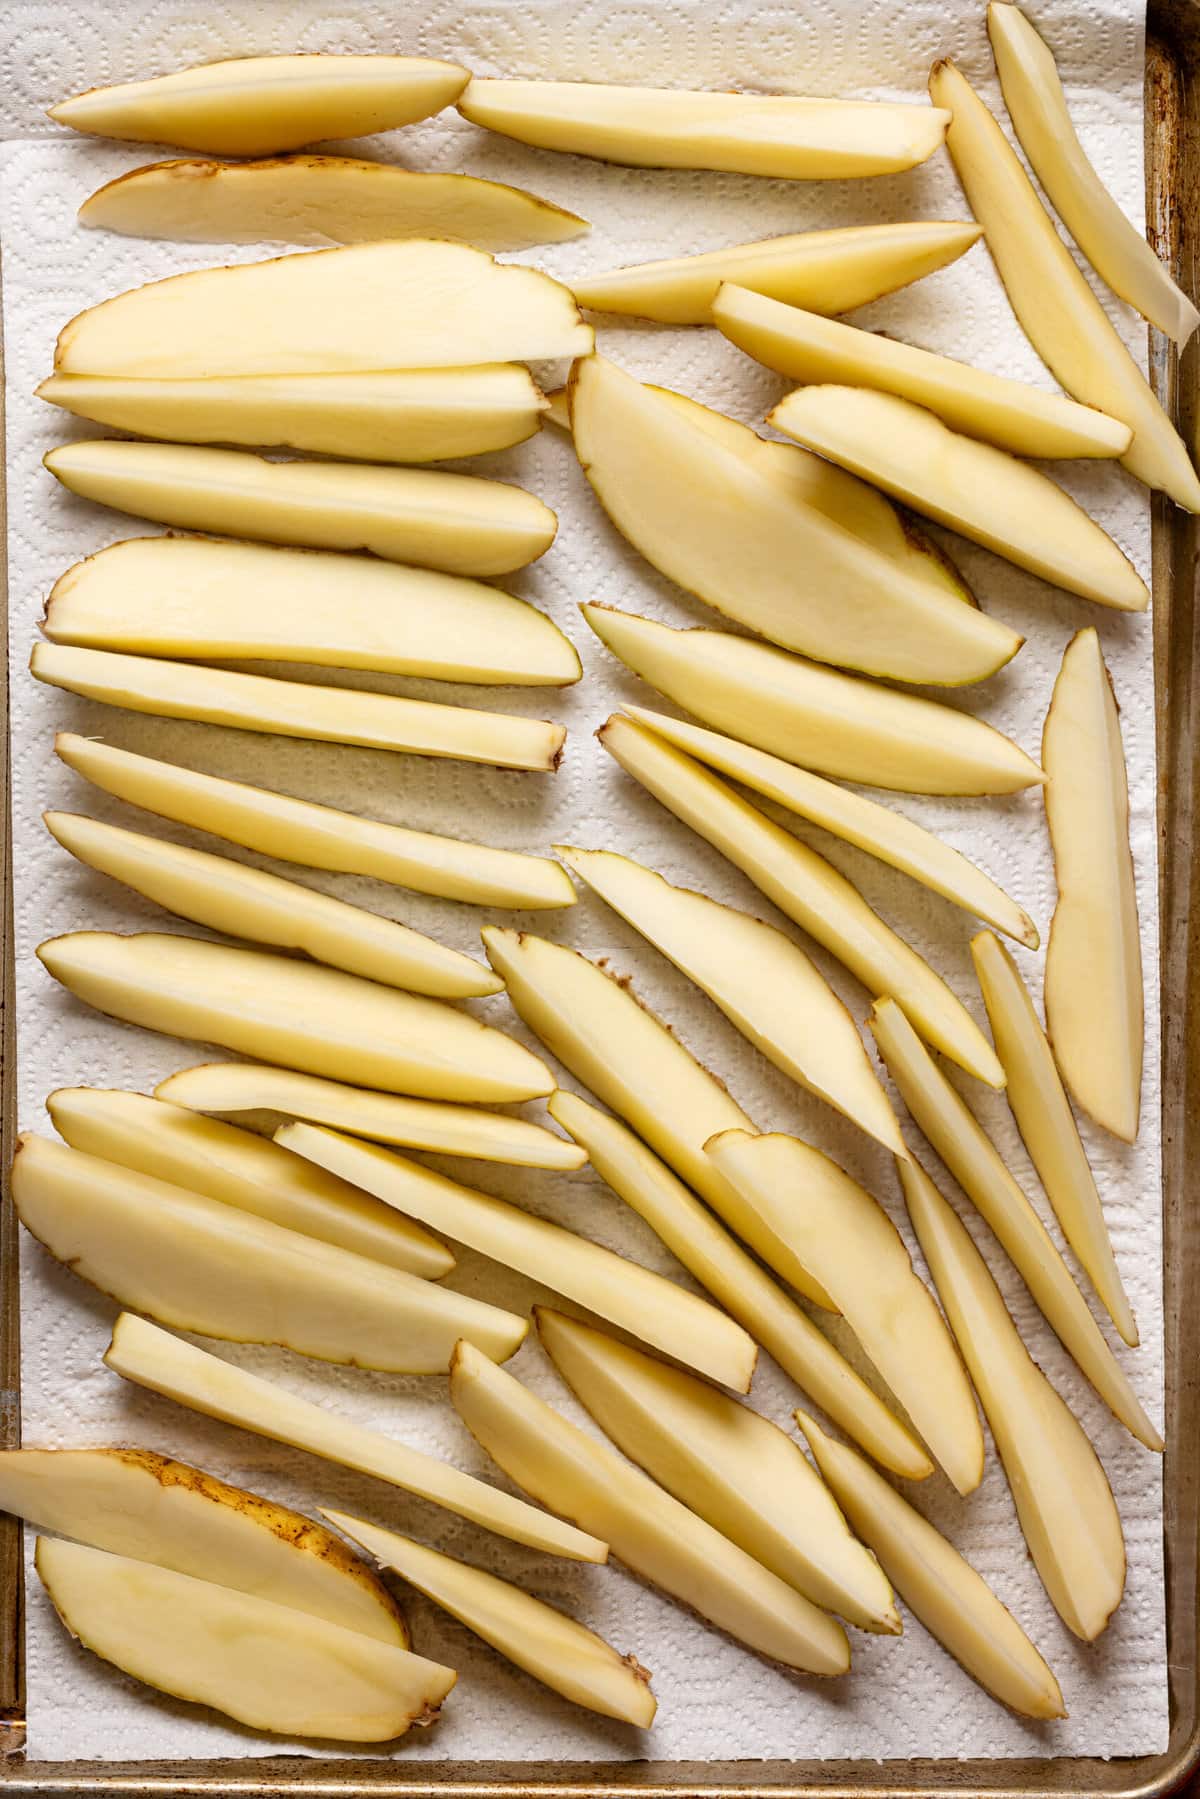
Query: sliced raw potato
point(655, 1536)
point(714, 519)
point(888, 835)
point(284, 708)
point(244, 902)
point(1047, 1124)
point(763, 982)
point(952, 1601)
point(292, 830)
point(984, 493)
point(810, 348)
point(154, 1137)
point(1093, 995)
point(1055, 307)
point(456, 523)
point(558, 409)
point(805, 887)
point(322, 200)
point(153, 1358)
point(253, 105)
point(415, 304)
point(595, 1026)
point(1116, 249)
point(200, 1265)
point(729, 1464)
point(389, 415)
point(136, 1503)
point(631, 1297)
point(263, 1664)
point(818, 717)
point(386, 1117)
point(1060, 1490)
point(742, 1286)
point(852, 1247)
point(668, 128)
point(545, 1642)
point(972, 1158)
point(317, 1020)
point(830, 271)
point(198, 598)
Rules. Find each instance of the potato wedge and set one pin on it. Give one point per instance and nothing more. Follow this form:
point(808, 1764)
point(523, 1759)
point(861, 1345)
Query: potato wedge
point(627, 1295)
point(137, 1503)
point(154, 1359)
point(416, 304)
point(200, 599)
point(322, 200)
point(818, 717)
point(829, 271)
point(263, 1664)
point(1061, 1493)
point(315, 1019)
point(154, 1137)
point(848, 1242)
point(645, 1527)
point(750, 134)
point(762, 981)
point(200, 1265)
point(806, 888)
point(300, 831)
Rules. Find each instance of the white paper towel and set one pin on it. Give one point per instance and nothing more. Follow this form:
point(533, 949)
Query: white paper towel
point(717, 1700)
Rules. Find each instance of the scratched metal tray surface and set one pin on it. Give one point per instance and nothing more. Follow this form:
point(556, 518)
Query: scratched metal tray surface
point(1173, 209)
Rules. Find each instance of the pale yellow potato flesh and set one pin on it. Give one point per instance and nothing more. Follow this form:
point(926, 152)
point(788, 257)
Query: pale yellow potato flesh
point(817, 717)
point(645, 1527)
point(322, 200)
point(253, 105)
point(284, 708)
point(595, 1026)
point(1057, 310)
point(656, 1310)
point(199, 1265)
point(749, 134)
point(413, 304)
point(563, 1654)
point(200, 599)
point(154, 1359)
point(1060, 1490)
point(265, 909)
point(316, 836)
point(982, 492)
point(262, 1664)
point(806, 888)
point(456, 523)
point(1116, 249)
point(317, 1020)
point(709, 516)
point(887, 835)
point(808, 347)
point(762, 981)
point(1095, 1011)
point(1047, 1124)
point(852, 1247)
point(388, 415)
point(728, 1463)
point(972, 1158)
point(829, 271)
point(137, 1503)
point(747, 1292)
point(242, 1169)
point(952, 1601)
point(450, 1130)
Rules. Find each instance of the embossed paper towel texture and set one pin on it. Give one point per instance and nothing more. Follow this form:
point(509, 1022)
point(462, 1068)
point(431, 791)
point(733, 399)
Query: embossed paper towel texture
point(717, 1700)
